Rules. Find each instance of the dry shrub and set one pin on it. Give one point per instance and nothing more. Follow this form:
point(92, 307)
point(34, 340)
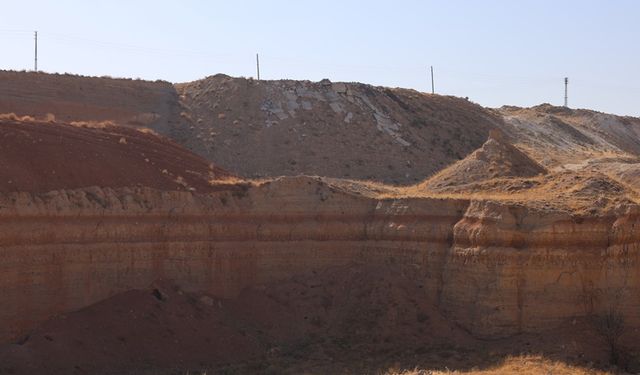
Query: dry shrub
point(148, 131)
point(9, 116)
point(186, 116)
point(13, 117)
point(143, 119)
point(521, 365)
point(93, 124)
point(50, 117)
point(610, 325)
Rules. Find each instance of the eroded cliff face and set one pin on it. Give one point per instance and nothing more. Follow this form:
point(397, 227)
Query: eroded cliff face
point(514, 269)
point(495, 269)
point(68, 249)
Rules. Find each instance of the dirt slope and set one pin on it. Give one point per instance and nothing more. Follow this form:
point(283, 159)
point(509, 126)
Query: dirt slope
point(272, 128)
point(38, 156)
point(559, 137)
point(134, 103)
point(347, 130)
point(495, 159)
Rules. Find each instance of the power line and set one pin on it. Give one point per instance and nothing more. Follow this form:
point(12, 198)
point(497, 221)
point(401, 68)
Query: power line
point(15, 31)
point(71, 39)
point(483, 78)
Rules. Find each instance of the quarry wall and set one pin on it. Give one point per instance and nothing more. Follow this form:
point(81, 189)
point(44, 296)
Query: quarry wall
point(494, 269)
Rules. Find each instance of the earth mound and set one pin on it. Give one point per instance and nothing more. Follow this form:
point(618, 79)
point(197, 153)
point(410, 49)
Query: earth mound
point(127, 102)
point(559, 136)
point(362, 308)
point(340, 130)
point(495, 159)
point(345, 130)
point(39, 156)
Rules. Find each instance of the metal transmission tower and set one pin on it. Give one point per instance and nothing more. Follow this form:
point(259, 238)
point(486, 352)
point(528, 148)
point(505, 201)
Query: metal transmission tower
point(566, 96)
point(35, 62)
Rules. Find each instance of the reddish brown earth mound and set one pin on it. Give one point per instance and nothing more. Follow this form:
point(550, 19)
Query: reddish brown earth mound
point(354, 319)
point(360, 309)
point(77, 98)
point(42, 156)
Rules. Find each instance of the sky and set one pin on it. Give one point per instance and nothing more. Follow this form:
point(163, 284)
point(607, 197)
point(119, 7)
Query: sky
point(495, 52)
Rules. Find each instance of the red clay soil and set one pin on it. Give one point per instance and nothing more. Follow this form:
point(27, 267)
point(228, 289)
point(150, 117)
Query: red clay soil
point(77, 98)
point(352, 309)
point(43, 156)
point(355, 319)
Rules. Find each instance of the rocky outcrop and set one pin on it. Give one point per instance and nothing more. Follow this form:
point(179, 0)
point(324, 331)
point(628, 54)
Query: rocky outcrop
point(494, 269)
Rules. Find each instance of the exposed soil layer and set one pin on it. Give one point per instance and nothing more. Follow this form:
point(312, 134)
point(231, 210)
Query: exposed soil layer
point(353, 319)
point(38, 156)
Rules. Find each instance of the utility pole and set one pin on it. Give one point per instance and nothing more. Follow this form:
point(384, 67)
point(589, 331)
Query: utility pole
point(566, 97)
point(35, 64)
point(433, 90)
point(258, 65)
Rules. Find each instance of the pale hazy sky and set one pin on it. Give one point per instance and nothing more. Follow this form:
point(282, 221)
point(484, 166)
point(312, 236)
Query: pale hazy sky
point(494, 52)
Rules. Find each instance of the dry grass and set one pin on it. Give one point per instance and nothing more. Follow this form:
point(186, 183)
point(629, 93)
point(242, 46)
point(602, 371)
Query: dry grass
point(93, 124)
point(148, 131)
point(50, 117)
point(521, 365)
point(13, 117)
point(582, 191)
point(233, 180)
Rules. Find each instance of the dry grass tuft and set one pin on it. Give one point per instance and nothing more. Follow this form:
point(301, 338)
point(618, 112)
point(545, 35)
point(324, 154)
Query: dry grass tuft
point(93, 124)
point(521, 365)
point(13, 117)
point(50, 117)
point(148, 131)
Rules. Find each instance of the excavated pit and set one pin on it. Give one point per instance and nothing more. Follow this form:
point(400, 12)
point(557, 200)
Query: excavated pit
point(129, 252)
